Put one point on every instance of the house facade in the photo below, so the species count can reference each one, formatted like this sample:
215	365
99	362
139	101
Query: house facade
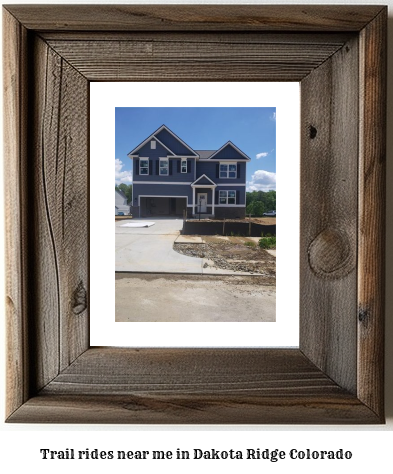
121	203
170	179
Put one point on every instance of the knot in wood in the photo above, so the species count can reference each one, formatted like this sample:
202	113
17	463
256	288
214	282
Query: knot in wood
330	255
80	299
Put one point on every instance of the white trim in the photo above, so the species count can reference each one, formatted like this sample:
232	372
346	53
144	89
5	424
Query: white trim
166	148
227	164
227	191
150	137
229	143
153	144
160	182
159	166
230	184
148	166
177	138
203	185
230	160
230	205
160	196
203	176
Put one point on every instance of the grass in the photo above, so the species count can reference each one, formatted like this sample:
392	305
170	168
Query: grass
250	244
267	243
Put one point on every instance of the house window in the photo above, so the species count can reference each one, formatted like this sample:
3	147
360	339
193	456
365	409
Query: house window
227	197
184	165
144	166
153	144
164	166
228	170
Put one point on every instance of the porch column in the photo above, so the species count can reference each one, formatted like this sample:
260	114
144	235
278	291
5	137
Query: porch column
213	196
193	201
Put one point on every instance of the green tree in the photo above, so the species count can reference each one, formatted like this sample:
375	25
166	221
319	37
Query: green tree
126	189
258	202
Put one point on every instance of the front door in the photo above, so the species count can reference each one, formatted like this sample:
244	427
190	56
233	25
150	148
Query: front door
202	202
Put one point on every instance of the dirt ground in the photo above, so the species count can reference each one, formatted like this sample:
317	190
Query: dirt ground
194	298
233	253
264	220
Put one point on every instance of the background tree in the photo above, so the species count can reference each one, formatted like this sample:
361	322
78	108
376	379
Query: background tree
126	189
258	202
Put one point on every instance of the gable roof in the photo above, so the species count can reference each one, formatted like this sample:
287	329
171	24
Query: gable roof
203	179
230	144
205	154
153	136
119	191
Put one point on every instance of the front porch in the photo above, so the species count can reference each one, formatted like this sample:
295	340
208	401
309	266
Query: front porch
203	197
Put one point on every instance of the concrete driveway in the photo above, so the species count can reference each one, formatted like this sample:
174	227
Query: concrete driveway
150	249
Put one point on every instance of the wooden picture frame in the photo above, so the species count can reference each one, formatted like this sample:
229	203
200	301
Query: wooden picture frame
338	54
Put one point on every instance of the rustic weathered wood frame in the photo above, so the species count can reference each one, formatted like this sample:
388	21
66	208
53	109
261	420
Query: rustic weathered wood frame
51	53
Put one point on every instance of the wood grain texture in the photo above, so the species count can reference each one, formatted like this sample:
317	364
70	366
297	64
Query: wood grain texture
196	18
52	374
188	59
328	253
371	260
59	170
14	73
197	385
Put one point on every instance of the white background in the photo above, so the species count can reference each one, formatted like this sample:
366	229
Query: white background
104	97
371	445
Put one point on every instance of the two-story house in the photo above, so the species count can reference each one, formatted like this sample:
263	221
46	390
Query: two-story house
169	177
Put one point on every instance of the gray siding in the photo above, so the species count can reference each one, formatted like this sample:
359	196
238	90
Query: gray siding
120	200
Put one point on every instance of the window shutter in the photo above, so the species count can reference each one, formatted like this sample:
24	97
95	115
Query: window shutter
158	167
217	170
217	197
136	167
170	166
237	196
150	167
238	170
178	165
188	166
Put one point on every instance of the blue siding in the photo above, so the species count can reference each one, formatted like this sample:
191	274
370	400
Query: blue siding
240	193
174	165
173	143
210	170
228	153
143	185
159	190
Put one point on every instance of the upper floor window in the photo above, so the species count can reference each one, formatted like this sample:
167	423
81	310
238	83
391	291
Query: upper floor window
144	166
228	170
164	166
153	144
184	165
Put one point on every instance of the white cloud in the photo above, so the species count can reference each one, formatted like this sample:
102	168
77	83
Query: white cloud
273	117
262	180
261	155
122	176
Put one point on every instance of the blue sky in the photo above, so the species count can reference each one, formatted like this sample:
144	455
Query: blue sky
252	129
